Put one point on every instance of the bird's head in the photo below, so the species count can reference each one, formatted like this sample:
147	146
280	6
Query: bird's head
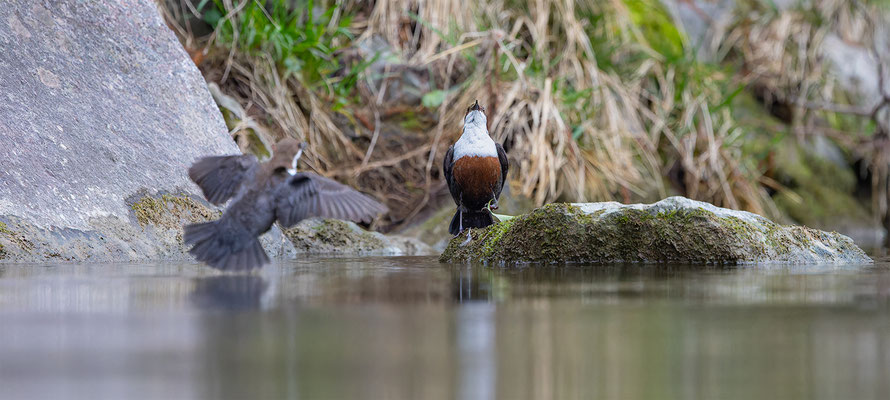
475	116
286	154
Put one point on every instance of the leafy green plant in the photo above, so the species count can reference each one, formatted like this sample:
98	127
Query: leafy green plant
303	43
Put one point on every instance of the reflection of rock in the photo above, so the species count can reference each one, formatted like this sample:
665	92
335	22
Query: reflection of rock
330	236
91	121
673	230
229	292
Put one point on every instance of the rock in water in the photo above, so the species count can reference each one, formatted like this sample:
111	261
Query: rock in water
335	237
100	109
674	230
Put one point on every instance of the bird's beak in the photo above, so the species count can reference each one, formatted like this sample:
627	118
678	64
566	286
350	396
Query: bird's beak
473	111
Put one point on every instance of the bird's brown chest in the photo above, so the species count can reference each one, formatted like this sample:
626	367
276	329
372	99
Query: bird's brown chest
477	177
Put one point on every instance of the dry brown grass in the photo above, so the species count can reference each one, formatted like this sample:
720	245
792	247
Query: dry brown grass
617	142
631	135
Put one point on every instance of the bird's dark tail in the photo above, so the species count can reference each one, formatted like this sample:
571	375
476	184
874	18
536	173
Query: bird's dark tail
222	245
471	219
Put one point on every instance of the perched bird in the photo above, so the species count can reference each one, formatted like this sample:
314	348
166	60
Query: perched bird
263	193
475	168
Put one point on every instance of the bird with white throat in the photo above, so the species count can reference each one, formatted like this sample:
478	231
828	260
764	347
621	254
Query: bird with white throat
475	168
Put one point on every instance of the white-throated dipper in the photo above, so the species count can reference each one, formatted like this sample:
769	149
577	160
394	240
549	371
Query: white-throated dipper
262	193
475	168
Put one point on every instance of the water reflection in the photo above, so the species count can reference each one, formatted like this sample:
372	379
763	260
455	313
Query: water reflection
477	351
413	328
230	292
471	284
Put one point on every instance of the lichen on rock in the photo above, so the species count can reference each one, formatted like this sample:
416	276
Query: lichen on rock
3	230
11	241
170	211
674	230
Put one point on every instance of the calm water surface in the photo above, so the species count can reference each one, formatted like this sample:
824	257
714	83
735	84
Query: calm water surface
412	328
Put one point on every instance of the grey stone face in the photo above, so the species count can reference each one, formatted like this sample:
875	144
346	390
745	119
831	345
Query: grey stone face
674	230
99	101
99	106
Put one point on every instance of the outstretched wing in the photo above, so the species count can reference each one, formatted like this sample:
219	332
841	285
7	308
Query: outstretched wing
448	169
307	195
505	165
220	177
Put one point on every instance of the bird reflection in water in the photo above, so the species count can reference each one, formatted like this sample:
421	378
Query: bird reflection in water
231	292
470	284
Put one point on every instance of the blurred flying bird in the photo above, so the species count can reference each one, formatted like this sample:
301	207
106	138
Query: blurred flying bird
262	193
475	168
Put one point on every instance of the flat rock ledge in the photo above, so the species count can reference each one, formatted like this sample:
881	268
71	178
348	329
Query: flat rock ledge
673	230
157	235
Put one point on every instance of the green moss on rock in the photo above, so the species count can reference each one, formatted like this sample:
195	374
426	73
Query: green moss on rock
333	236
676	230
169	211
15	238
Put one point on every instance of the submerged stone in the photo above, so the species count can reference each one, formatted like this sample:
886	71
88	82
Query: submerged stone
673	230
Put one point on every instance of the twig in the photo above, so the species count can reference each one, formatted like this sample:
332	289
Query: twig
392	161
229	15
452	50
373	141
839	108
873	49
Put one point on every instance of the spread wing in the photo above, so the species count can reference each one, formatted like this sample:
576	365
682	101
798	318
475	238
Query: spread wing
505	165
307	195
220	177
447	169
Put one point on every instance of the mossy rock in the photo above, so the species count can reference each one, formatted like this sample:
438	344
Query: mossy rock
331	236
674	230
3	230
12	242
164	215
170	211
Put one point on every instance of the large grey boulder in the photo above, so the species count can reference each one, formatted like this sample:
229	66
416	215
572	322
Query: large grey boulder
101	112
674	230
